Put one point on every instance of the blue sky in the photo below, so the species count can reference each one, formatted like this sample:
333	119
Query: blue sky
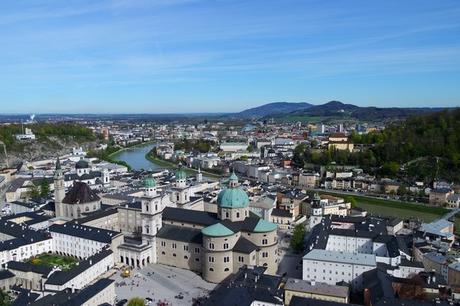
167	56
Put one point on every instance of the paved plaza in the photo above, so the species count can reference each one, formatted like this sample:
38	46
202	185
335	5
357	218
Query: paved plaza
162	284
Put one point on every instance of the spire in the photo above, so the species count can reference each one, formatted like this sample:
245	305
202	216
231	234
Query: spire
233	180
58	164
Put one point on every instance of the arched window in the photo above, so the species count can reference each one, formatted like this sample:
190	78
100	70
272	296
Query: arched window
211	269
225	245
226	269
264	241
237	214
185	257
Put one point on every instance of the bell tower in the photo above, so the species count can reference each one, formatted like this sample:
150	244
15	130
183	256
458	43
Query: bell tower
59	189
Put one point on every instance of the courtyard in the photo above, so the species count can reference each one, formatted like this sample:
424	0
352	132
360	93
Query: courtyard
51	260
162	284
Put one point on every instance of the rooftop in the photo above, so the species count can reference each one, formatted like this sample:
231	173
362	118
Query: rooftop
341	257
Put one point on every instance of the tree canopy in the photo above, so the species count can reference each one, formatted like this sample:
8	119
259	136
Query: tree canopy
422	147
297	239
136	302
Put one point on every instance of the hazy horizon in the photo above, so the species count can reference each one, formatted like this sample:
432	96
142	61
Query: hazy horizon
193	56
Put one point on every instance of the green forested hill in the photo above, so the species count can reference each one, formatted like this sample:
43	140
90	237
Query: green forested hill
423	147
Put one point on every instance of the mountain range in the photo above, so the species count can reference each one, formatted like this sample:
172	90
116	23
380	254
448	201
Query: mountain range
282	110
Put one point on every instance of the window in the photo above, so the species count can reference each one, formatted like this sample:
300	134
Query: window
185	247
185	257
211	259
197	250
146	207
163	253
197	259
265	254
240	259
174	246
237	214
211	269
226	269
264	241
226	259
225	245
226	214
174	254
211	246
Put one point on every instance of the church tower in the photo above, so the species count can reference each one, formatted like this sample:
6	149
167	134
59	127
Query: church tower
105	175
59	189
152	207
199	176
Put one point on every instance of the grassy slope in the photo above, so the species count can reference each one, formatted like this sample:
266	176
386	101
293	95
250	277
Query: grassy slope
403	210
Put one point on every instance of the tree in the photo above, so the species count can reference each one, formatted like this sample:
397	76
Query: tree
136	302
299	153
297	239
44	188
350	199
34	192
5	299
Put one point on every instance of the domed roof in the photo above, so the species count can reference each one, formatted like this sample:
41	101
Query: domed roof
81	164
264	226
180	174
217	230
234	196
149	182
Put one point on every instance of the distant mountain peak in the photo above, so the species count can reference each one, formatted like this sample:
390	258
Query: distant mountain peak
275	108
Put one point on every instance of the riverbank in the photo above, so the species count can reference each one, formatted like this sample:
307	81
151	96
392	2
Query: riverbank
169	164
133	146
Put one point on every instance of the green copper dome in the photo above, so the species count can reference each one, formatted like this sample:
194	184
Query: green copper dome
265	226
180	174
150	182
233	198
217	230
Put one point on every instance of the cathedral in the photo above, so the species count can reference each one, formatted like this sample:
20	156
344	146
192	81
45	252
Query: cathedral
218	244
169	226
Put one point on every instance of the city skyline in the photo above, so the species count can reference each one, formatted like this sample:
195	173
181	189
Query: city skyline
187	56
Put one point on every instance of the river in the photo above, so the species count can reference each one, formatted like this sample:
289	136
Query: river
135	157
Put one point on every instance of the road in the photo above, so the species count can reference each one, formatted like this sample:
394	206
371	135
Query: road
451	214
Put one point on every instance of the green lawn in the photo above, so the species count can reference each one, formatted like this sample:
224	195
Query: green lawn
51	260
402	210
